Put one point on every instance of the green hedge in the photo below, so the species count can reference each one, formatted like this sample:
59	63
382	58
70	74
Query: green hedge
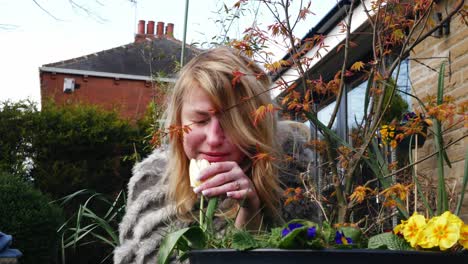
31	219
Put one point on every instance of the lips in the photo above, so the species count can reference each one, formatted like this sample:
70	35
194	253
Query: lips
214	156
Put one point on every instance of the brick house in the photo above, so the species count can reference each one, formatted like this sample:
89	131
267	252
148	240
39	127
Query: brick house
418	76
124	78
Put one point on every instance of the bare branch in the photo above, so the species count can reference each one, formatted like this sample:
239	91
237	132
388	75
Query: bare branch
46	11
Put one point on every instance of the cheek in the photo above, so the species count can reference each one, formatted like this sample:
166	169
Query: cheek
192	142
238	155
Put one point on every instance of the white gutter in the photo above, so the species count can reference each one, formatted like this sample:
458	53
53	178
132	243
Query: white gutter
331	41
106	74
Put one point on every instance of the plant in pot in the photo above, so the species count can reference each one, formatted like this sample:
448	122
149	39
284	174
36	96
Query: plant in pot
362	211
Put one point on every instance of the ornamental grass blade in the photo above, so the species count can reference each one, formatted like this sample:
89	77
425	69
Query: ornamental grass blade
380	167
328	131
367	97
103	224
442	200
463	187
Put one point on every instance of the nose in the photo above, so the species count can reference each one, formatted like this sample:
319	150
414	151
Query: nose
214	133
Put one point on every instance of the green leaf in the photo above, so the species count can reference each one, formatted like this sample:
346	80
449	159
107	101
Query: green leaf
388	241
328	232
194	236
297	238
367	94
327	131
382	164
463	188
352	232
210	210
274	238
243	240
442	200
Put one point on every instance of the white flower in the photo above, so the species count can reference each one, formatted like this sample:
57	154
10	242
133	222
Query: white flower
194	170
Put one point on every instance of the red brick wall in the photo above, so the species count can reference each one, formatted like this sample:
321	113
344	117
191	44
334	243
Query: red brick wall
129	97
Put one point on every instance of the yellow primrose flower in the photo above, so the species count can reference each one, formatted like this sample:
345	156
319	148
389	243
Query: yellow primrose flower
464	236
399	228
442	231
413	227
452	218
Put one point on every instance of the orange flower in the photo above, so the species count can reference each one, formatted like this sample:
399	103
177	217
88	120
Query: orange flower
360	193
399	190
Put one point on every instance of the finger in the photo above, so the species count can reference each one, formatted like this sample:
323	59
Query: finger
216	168
217	180
240	195
220	190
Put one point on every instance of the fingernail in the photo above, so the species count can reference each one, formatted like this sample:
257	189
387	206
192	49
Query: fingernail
196	189
205	192
229	194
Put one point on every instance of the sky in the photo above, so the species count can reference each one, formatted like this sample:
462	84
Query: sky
32	35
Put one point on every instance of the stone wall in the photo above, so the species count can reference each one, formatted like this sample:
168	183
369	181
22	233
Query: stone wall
425	61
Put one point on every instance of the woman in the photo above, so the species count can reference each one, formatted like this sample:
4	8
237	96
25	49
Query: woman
214	96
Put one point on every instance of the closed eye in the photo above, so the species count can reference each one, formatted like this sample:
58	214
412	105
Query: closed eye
201	122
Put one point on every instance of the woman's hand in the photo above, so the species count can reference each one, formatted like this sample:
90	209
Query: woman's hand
228	178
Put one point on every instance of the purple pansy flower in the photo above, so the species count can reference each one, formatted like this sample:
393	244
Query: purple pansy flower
341	239
311	232
290	228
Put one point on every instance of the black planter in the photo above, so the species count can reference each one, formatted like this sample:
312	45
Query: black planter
405	143
328	256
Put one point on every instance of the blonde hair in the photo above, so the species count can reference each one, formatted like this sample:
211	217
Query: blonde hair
213	71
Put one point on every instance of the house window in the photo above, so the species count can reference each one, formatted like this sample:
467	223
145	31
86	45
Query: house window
351	111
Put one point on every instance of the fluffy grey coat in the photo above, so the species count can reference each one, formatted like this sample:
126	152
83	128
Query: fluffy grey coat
150	216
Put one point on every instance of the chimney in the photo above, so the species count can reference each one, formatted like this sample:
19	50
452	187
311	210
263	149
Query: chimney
140	35
160	30
170	30
150	28
141	27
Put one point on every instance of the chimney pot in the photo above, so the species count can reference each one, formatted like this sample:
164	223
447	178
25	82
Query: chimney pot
160	29
170	30
150	28
141	27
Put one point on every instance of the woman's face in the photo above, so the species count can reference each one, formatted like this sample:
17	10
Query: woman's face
207	139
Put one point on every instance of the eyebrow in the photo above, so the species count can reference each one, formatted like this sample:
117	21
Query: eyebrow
204	113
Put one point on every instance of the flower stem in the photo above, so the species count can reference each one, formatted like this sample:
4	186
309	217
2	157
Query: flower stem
201	210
